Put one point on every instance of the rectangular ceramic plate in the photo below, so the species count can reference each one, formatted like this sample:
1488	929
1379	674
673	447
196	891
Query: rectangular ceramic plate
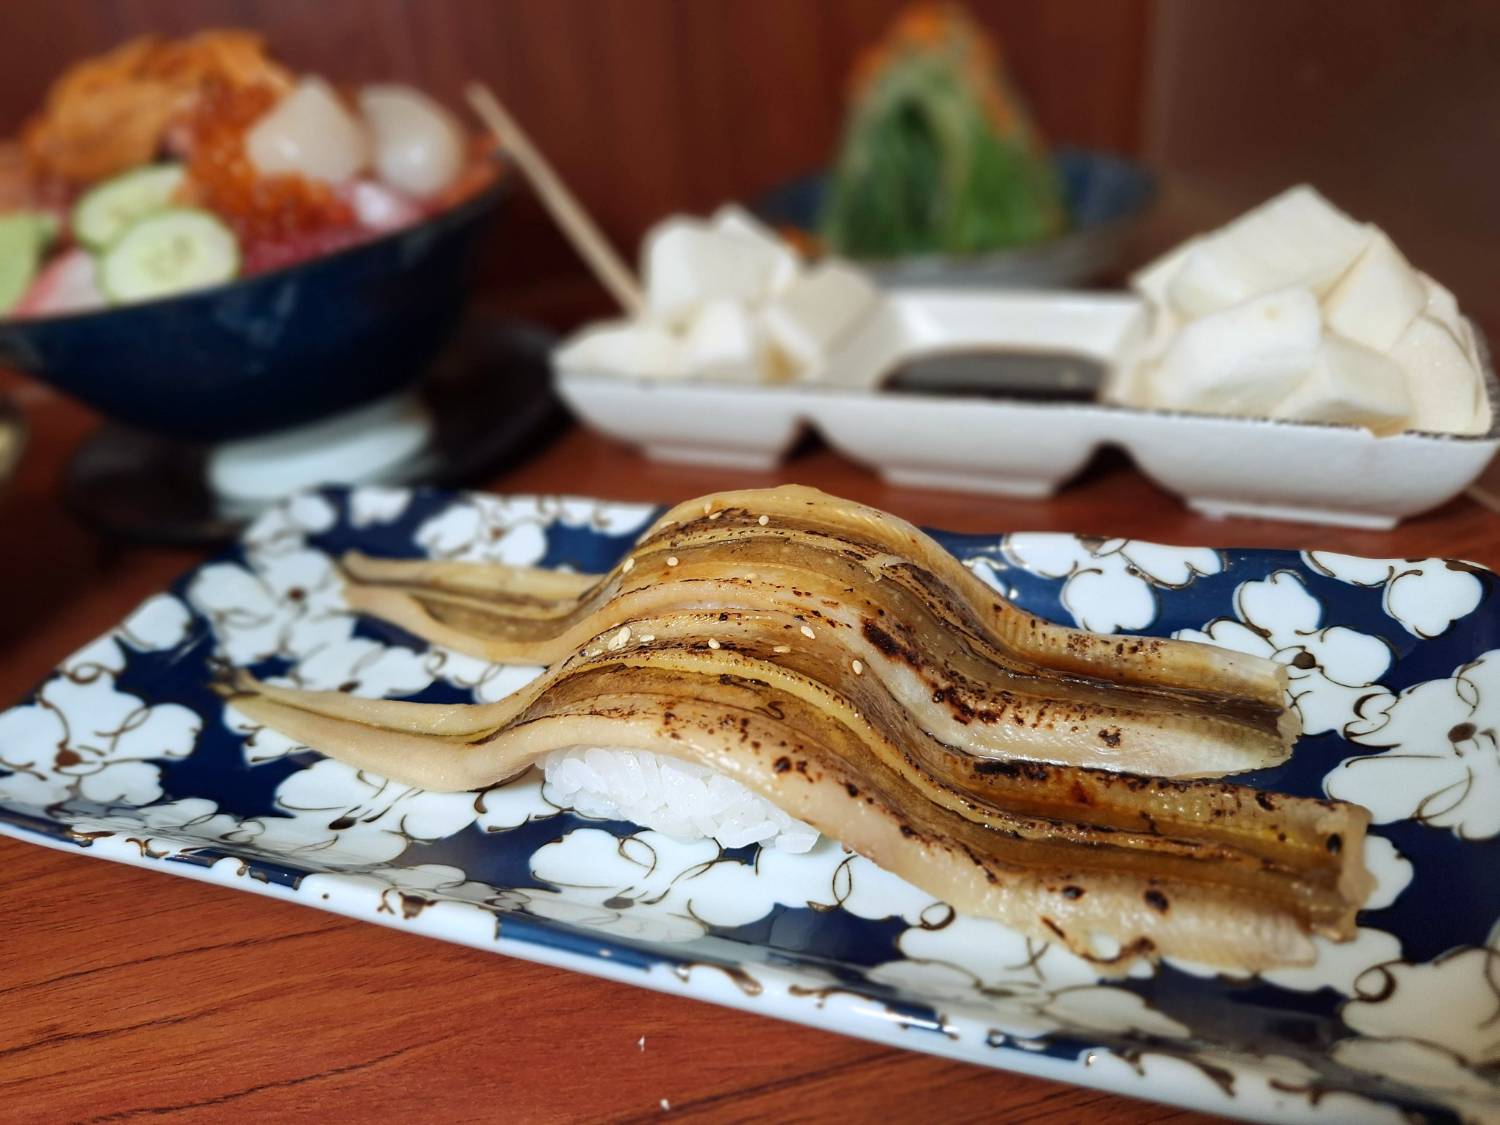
1218	464
125	754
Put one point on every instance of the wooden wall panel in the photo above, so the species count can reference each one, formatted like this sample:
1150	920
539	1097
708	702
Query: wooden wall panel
646	106
1391	107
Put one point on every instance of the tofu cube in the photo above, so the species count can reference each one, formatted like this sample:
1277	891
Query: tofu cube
1151	280
1374	302
1442	306
731	219
626	348
1243	360
687	264
1447	392
1297	239
725	342
1353	385
808	319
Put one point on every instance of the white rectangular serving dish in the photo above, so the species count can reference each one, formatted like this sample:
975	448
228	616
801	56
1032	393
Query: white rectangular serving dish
1219	465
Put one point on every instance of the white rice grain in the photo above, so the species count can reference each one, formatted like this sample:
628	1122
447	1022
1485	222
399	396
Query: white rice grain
680	799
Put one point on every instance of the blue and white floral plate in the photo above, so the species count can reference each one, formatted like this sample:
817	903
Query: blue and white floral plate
125	754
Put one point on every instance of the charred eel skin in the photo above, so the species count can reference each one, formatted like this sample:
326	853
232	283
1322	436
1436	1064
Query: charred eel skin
841	664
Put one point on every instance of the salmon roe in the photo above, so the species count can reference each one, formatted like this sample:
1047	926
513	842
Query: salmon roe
263	211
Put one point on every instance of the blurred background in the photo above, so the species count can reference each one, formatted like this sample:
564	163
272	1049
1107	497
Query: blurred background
649	107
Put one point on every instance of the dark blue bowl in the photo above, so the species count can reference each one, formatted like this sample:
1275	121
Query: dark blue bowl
1105	195
269	351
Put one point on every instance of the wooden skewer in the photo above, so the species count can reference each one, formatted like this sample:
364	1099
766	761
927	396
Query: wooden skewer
1484	497
569	214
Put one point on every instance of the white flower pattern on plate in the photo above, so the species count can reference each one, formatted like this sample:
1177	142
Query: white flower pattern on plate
342	817
436	894
1440	760
360	666
1395	1000
1422	1066
1109	584
1027	988
487	682
1261	1093
1426	595
408	889
289	605
1331	669
513	803
284	527
158	623
169	828
338	816
654	886
373	504
1409	1038
512	530
84	738
260	744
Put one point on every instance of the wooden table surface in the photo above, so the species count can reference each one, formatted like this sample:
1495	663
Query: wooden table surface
128	995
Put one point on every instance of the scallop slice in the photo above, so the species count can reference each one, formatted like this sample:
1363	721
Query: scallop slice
419	145
309	133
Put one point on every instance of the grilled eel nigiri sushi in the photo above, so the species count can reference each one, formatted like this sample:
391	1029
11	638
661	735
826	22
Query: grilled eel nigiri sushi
839	663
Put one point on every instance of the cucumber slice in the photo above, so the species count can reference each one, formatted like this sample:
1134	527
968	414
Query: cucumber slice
103	214
47	227
167	253
22	236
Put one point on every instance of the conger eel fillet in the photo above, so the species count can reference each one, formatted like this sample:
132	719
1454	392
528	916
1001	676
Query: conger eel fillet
840	663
